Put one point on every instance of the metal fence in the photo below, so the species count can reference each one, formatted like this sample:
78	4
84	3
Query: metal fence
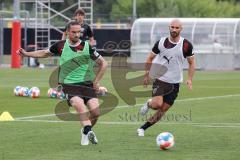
216	41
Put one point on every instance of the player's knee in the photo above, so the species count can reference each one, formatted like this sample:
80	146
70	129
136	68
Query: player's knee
77	102
80	108
156	104
164	108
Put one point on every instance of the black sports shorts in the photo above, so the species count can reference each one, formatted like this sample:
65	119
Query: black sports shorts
169	91
83	90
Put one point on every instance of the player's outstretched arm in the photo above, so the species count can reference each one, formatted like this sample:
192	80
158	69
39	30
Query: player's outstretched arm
34	54
191	70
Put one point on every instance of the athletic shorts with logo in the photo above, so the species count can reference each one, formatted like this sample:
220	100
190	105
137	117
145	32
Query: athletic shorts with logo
169	91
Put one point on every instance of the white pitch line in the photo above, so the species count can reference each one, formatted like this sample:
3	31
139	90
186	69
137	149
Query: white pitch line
203	125
125	106
44	121
190	99
204	98
217	87
40	116
217	126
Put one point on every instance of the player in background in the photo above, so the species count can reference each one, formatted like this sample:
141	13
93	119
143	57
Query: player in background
167	54
76	76
86	31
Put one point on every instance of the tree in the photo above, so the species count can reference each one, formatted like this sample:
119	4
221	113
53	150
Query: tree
102	9
178	8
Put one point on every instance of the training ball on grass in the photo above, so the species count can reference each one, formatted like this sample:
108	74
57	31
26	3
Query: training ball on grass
60	95
165	140
34	92
16	90
52	93
24	91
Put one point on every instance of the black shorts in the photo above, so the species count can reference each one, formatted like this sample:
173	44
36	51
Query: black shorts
83	90
169	91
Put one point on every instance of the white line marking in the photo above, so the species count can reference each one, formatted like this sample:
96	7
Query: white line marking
125	106
217	87
40	116
204	98
213	126
203	125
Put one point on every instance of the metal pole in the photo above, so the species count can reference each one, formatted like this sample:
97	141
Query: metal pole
91	13
134	11
1	39
79	5
16	6
25	31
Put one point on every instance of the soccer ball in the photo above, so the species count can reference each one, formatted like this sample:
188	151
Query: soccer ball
165	140
52	93
34	92
24	91
16	90
60	95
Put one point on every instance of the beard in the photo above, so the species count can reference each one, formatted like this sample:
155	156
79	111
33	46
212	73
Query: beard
75	39
174	34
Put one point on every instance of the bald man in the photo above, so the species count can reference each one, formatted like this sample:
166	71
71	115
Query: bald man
164	65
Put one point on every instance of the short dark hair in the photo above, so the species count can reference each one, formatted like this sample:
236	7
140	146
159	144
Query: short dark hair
72	23
79	11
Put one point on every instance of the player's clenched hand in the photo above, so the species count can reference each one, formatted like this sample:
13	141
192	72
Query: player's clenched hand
146	80
189	84
96	86
21	52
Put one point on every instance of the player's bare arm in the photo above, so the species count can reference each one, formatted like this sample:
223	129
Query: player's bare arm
102	68
64	35
148	65
34	54
91	41
191	70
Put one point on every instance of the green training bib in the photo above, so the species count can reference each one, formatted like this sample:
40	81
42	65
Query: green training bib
77	66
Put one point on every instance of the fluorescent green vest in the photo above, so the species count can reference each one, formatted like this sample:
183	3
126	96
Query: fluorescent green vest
77	66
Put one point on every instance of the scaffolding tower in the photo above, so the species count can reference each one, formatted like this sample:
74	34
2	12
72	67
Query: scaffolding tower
42	24
44	14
